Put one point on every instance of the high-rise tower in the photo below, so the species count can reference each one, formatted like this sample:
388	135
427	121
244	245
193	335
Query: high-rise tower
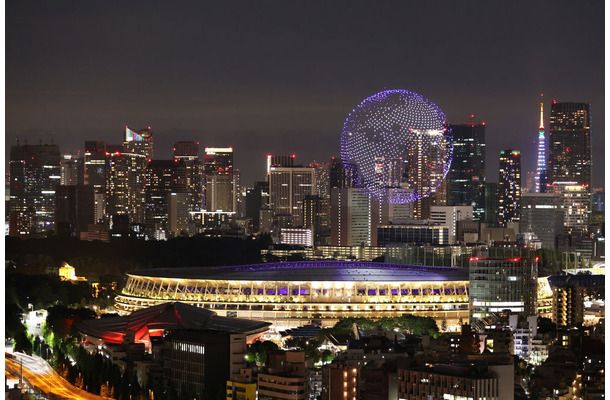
570	143
509	187
220	191
188	154
288	187
541	175
466	176
139	142
569	164
34	175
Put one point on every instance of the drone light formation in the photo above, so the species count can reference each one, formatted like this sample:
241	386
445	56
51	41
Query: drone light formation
399	142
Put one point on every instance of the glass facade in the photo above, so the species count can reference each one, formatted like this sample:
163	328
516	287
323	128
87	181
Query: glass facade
497	285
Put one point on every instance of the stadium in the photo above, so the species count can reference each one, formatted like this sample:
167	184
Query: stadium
291	294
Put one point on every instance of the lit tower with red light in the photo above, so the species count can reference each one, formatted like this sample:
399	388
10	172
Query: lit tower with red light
220	190
541	175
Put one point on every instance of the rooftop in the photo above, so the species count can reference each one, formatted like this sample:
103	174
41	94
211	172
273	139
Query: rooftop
354	271
153	321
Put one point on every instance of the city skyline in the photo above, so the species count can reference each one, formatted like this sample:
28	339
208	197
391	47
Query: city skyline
281	79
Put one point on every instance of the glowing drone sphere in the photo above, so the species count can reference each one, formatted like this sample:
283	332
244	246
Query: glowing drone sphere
398	143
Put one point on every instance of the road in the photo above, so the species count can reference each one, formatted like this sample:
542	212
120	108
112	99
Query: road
44	379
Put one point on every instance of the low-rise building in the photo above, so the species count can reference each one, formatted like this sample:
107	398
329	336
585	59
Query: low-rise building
284	378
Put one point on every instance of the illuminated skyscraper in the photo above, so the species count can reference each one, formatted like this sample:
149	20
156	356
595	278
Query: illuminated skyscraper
569	164
570	143
542	214
316	216
279	161
541	174
257	198
126	174
188	154
125	183
34	175
502	284
353	222
466	176
220	190
163	177
288	187
509	186
138	142
71	170
322	171
95	165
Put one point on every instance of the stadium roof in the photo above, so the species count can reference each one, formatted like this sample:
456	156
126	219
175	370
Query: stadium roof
355	271
154	321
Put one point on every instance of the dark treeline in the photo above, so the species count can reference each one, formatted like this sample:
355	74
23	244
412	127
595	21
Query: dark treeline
92	259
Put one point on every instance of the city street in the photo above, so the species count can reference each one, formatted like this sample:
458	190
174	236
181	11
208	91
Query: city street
43	378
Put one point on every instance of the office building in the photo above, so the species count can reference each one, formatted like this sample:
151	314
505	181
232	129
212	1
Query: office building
576	205
542	214
342	174
570	143
352	219
449	216
95	165
569	163
74	209
509	187
296	237
415	233
597	200
125	184
162	178
279	161
466	176
34	175
192	172
322	176
178	213
257	198
491	203
71	170
220	189
501	284
288	187
316	217
138	142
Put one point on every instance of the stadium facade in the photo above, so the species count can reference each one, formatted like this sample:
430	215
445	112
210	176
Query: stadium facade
291	294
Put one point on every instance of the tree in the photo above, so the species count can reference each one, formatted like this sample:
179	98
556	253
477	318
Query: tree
12	320
23	343
327	356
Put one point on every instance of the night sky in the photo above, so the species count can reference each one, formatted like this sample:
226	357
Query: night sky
281	76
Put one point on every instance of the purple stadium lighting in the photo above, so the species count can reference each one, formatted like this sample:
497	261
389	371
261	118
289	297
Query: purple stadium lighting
399	142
